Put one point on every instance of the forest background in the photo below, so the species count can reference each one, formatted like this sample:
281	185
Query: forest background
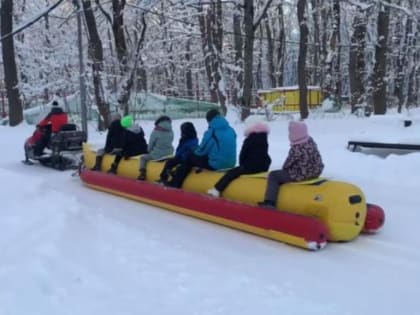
360	52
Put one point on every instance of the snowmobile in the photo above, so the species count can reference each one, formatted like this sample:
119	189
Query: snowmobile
63	150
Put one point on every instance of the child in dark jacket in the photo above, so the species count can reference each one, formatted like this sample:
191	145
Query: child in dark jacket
303	162
253	157
188	142
133	143
113	142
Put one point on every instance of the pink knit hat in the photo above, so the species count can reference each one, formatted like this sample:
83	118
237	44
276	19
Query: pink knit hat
298	132
255	124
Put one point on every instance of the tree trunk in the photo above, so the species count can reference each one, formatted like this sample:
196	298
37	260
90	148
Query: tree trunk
118	31
337	48
281	47
211	28
9	64
259	74
332	84
317	41
238	47
218	63
324	25
270	54
303	46
206	45
188	74
412	94
95	51
128	84
248	57
357	60
141	76
167	44
379	70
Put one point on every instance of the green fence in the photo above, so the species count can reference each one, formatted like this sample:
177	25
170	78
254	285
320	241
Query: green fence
142	105
150	106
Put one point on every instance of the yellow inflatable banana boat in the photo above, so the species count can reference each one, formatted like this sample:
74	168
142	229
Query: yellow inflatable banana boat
340	206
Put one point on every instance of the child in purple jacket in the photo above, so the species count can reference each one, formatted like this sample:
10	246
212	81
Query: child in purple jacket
302	163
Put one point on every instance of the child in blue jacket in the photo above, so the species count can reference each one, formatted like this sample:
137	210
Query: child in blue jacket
217	149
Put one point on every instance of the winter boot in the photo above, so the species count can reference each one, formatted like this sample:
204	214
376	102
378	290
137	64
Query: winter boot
142	175
267	204
164	175
97	166
213	192
113	169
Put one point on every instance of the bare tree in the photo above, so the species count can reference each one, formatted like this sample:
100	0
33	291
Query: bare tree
9	64
379	71
95	52
281	48
303	47
250	27
400	35
117	23
238	48
211	28
413	67
270	53
248	56
128	82
316	77
118	31
167	43
357	59
333	63
188	73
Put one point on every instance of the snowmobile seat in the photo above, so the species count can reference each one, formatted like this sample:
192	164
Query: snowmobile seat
67	139
66	147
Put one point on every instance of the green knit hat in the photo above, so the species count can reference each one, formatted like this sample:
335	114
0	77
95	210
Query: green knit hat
127	121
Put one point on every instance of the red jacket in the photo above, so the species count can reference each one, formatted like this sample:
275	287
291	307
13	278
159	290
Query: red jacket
56	118
36	136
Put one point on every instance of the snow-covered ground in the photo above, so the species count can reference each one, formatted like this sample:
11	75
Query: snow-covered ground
66	249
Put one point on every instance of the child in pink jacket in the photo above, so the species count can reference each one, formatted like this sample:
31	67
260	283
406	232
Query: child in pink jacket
303	162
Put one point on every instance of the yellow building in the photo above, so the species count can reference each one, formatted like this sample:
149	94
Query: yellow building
286	98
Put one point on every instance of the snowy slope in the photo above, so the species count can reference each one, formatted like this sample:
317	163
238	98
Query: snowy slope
66	249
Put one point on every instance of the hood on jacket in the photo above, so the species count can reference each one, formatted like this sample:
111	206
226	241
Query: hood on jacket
188	130
255	124
162	118
219	122
211	114
135	128
114	116
164	125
